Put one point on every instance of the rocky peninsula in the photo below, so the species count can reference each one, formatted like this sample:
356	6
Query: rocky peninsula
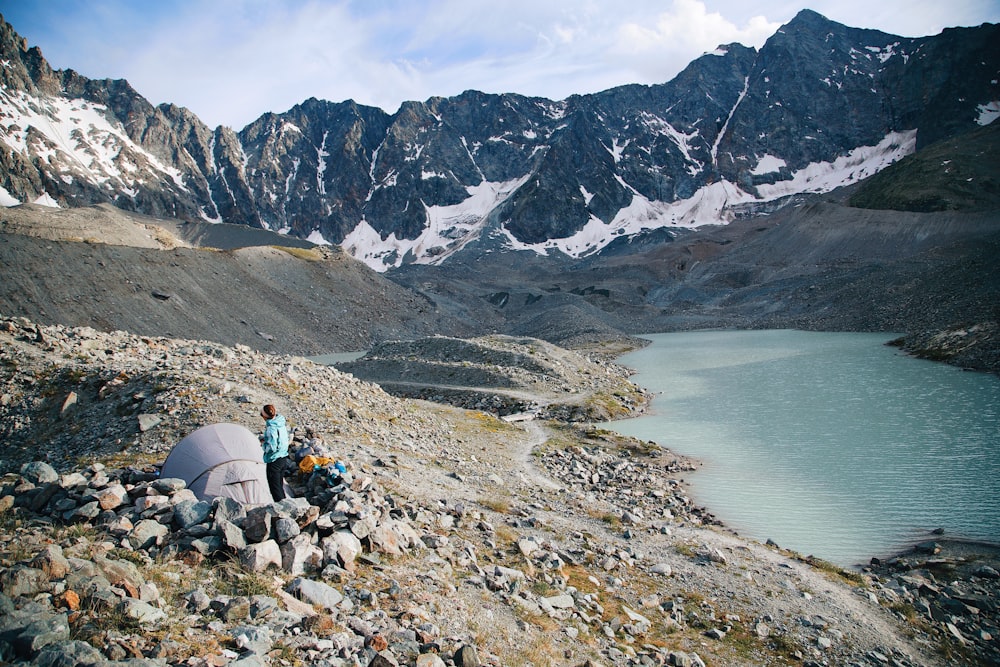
455	537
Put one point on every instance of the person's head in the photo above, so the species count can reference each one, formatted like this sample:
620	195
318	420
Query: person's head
268	411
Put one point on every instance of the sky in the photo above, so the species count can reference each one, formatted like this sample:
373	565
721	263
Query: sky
230	61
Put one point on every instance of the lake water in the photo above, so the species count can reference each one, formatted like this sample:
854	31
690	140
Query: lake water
830	444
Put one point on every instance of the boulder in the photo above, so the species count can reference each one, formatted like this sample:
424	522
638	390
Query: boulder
341	548
260	556
299	555
148	533
316	593
39	472
51	561
188	513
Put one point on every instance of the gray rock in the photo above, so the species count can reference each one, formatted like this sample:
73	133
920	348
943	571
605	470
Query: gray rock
39	472
72	480
74	653
285	529
87	512
197	600
111	497
43	630
148	533
260	556
143	612
231	534
189	513
257	526
257	640
564	601
21	581
227	509
299	555
168	485
662	568
341	548
316	592
467	656
384	539
148	422
207	545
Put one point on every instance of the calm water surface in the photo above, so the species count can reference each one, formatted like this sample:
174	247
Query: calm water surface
830	444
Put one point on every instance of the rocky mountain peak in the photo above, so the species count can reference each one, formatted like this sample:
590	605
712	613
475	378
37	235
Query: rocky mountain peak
820	105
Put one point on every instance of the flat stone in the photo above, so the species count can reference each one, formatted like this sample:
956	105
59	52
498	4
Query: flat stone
316	592
563	601
143	612
148	422
168	485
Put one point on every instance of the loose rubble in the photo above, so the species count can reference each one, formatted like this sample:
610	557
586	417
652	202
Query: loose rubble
452	538
504	375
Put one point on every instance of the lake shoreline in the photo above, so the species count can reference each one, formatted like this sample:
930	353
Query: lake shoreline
718	488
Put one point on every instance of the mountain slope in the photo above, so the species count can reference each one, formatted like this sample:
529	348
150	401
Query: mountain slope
957	174
736	133
226	283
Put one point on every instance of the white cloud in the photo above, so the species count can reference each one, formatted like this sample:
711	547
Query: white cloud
661	48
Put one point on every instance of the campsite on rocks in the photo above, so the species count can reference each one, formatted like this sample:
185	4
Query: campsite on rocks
477	264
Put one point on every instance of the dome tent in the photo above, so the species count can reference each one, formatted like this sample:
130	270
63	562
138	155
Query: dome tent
221	460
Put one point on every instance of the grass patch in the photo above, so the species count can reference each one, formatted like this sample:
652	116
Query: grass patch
849	576
498	505
234	580
305	254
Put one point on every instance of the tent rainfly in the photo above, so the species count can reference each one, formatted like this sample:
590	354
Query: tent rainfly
221	460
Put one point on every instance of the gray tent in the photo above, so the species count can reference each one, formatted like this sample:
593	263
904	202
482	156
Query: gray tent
221	460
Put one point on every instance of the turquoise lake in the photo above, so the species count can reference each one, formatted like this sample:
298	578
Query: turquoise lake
830	444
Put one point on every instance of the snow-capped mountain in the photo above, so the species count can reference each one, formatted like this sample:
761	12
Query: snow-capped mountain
739	131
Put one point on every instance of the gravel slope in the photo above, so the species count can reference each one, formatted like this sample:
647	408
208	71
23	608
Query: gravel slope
616	507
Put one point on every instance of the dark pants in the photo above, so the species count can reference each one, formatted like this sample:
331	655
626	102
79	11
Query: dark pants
276	478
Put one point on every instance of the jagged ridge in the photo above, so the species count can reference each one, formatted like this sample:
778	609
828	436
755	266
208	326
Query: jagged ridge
820	105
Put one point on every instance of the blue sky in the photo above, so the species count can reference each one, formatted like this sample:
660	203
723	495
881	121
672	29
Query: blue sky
230	61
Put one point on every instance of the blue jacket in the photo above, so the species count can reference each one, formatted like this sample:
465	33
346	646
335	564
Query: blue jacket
275	442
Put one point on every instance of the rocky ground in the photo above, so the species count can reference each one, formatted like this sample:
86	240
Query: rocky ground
454	538
506	375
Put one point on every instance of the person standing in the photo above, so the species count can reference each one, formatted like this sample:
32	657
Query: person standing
275	445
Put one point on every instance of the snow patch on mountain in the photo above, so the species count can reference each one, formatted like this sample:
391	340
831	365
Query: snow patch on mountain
76	137
711	205
988	112
451	228
860	163
315	236
768	165
448	229
7	199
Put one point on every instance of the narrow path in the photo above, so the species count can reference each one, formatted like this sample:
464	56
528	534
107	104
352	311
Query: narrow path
538	434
